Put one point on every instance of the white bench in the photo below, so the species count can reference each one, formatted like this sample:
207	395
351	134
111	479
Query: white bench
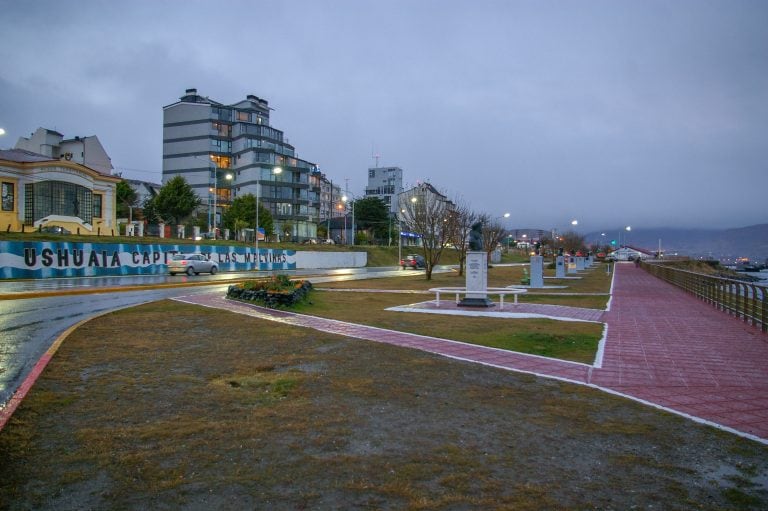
501	291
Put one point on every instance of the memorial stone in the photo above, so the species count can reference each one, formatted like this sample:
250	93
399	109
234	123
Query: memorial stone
537	271
477	281
560	267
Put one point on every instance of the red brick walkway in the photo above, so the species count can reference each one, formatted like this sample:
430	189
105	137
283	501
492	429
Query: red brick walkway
671	349
663	347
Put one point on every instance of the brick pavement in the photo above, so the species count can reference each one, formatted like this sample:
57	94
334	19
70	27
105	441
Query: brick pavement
663	347
671	349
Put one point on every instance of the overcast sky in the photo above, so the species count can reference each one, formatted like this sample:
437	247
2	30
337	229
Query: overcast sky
642	113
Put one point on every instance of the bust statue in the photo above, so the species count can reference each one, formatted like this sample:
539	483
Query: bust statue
476	236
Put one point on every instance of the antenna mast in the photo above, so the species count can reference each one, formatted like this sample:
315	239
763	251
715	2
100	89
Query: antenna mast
375	155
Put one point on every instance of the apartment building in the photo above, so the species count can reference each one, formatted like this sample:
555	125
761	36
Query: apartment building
385	183
225	151
86	151
329	196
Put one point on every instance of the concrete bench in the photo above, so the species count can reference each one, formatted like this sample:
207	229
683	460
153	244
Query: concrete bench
458	291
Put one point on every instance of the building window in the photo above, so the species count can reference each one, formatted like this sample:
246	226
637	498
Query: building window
243	116
223	162
223	130
8	196
97	208
222	146
371	173
57	198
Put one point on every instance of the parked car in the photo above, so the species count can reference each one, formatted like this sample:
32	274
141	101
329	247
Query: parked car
414	261
55	229
191	264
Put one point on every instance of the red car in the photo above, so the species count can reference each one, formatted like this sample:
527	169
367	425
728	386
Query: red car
414	261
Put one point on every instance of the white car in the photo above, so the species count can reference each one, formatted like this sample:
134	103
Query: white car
191	264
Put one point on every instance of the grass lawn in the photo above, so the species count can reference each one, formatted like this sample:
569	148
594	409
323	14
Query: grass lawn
576	341
172	406
594	281
566	340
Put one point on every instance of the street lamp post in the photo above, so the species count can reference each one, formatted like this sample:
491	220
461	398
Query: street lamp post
344	233
275	171
400	238
228	177
212	213
345	199
506	216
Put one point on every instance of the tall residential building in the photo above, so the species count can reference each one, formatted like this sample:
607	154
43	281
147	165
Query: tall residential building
329	196
385	183
225	151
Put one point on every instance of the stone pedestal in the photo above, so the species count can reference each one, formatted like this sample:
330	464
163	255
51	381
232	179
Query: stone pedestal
226	234
537	271
162	230
140	227
579	263
180	231
129	230
477	281
560	267
196	232
571	265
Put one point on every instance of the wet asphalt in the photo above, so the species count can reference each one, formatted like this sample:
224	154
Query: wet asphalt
33	313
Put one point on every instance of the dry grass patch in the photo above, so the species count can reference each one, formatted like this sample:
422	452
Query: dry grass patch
171	406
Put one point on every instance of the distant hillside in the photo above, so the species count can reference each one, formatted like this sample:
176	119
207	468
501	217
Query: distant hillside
724	244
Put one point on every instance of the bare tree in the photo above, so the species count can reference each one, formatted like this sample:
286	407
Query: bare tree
428	213
572	242
459	224
493	233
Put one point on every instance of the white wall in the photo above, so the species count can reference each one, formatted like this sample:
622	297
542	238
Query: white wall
309	260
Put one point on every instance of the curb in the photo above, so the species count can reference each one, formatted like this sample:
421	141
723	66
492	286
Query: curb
118	289
37	370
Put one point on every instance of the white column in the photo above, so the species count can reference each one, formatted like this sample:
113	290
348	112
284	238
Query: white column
537	271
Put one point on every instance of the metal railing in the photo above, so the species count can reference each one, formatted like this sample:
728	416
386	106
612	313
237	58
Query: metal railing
745	300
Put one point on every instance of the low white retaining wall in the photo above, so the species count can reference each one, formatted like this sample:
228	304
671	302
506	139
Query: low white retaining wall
310	260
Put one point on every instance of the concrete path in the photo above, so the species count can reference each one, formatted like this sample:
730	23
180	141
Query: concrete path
663	347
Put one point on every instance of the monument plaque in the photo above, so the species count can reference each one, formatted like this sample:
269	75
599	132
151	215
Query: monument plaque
477	281
537	271
477	271
560	267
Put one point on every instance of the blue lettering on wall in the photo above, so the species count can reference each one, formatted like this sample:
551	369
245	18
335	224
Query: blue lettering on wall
20	259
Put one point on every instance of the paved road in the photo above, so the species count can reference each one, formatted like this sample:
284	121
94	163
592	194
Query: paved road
11	289
28	326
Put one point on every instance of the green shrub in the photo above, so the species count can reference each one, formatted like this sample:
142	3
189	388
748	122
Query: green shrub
278	292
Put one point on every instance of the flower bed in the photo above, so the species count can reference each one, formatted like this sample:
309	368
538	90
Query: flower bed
279	291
